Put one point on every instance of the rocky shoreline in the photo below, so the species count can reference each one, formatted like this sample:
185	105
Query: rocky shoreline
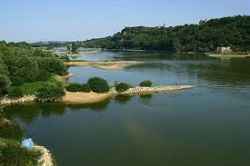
46	158
157	89
25	99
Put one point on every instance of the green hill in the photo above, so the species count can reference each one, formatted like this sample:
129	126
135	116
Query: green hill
203	37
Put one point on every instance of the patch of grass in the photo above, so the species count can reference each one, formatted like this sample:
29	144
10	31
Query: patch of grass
32	88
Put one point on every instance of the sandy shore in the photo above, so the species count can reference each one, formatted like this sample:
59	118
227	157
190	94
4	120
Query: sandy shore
46	157
107	65
85	98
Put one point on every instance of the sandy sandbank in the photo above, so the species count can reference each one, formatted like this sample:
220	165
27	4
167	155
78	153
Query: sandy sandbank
91	98
108	65
85	98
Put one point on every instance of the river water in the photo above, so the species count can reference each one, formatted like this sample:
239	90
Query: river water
207	125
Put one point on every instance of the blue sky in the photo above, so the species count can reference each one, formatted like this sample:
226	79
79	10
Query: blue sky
43	20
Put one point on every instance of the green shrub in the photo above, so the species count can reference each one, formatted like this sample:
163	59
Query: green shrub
122	87
15	92
146	83
98	85
74	87
85	88
4	85
50	93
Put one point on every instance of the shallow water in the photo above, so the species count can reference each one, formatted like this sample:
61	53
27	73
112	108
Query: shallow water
207	125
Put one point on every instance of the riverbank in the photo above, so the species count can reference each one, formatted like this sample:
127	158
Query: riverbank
107	65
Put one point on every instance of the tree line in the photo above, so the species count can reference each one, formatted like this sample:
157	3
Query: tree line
206	36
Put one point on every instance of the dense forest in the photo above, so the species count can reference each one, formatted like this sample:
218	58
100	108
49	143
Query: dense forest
21	64
203	37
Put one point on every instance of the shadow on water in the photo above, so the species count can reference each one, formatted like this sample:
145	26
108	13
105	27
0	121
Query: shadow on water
145	56
29	112
123	99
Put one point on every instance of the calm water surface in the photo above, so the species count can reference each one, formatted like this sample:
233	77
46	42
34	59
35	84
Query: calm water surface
207	125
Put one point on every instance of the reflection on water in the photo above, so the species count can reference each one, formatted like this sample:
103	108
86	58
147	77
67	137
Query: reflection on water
207	125
144	56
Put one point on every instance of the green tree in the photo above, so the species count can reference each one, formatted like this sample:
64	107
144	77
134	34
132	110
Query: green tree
121	87
98	85
22	69
4	85
203	37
